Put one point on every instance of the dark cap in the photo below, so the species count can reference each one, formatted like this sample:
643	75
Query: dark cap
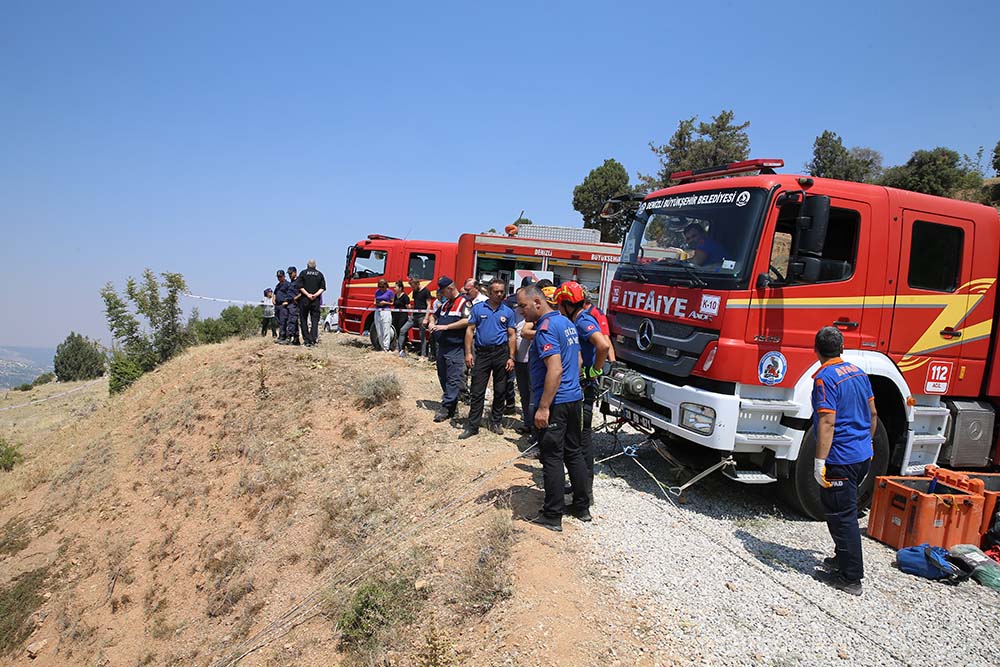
292	269
527	280
267	291
444	281
280	273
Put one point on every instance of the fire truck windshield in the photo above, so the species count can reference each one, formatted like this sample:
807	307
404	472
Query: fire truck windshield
702	238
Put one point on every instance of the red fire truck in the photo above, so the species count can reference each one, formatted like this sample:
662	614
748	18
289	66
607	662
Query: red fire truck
565	253
720	353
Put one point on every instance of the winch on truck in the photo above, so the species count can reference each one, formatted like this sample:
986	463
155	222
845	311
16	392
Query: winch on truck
723	283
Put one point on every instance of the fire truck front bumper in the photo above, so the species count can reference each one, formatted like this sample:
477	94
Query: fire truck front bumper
703	417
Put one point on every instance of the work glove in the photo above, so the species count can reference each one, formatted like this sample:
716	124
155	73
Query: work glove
589	372
819	472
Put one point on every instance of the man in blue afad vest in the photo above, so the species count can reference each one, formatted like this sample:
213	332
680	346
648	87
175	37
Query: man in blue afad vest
554	362
447	325
490	344
845	420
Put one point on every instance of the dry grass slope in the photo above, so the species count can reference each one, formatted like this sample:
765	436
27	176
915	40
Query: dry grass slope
169	524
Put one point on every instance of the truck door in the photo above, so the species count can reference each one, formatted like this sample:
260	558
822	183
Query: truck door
932	301
789	314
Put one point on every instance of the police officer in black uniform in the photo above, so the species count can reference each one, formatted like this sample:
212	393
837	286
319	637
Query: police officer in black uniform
312	284
293	306
491	333
447	325
284	300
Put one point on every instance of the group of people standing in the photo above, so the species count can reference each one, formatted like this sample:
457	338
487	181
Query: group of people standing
294	305
555	343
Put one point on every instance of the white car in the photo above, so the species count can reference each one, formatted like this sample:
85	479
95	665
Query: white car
332	321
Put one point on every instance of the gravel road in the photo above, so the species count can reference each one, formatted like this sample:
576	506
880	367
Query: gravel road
726	579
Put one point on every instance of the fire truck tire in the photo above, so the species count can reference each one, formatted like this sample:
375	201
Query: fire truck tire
801	491
373	337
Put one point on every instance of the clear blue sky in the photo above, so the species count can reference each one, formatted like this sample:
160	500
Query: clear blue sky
226	139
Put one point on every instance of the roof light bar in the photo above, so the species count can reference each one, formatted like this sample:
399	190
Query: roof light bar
761	165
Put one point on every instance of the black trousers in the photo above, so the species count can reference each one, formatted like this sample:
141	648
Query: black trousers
523	376
309	310
560	446
490	360
451	374
269	323
841	503
587	429
288	321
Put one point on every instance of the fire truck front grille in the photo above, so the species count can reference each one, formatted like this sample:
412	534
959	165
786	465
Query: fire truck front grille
671	348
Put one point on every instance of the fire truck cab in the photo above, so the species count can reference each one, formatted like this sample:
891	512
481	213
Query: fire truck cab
714	336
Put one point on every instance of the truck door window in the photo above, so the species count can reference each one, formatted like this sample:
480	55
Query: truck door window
368	263
935	256
839	251
421	265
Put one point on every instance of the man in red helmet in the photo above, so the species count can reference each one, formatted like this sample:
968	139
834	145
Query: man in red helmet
595	346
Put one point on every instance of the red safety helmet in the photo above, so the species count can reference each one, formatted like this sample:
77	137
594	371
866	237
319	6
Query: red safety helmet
570	292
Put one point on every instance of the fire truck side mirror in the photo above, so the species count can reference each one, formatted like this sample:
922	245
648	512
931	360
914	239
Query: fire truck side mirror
814	216
804	269
612	209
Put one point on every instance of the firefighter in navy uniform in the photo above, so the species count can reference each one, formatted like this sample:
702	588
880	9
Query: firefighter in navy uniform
845	421
490	344
555	380
447	326
312	284
595	349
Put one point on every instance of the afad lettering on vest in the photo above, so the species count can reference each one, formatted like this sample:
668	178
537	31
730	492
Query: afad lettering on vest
655	303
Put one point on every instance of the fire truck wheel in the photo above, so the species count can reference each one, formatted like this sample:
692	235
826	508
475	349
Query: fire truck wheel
801	491
376	343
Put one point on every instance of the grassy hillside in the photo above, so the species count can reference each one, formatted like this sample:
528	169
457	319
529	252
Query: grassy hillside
251	501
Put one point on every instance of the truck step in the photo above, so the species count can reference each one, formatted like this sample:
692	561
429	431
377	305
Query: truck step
928	439
768	405
749	476
931	411
762	439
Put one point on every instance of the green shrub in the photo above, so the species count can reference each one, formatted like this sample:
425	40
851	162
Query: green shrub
18	601
44	378
375	608
27	386
10	455
379	389
124	371
78	358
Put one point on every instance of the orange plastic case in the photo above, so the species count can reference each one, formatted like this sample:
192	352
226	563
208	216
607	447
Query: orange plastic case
991	491
906	511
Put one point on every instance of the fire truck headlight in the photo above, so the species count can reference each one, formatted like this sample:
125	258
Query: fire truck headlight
697	418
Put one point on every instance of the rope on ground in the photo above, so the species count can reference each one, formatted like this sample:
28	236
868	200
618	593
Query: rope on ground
52	397
310	605
682	515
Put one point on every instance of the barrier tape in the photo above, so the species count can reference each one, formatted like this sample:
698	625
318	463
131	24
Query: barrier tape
258	303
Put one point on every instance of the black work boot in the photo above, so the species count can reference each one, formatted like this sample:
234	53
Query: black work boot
553	523
442	415
468	433
495	427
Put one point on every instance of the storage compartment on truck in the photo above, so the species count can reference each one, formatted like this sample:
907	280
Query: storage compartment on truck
970	436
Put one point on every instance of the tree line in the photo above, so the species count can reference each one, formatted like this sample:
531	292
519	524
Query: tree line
697	144
147	330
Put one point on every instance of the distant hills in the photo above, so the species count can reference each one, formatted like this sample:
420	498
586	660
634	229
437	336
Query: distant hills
23	364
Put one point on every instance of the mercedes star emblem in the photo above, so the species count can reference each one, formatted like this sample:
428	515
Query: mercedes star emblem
644	336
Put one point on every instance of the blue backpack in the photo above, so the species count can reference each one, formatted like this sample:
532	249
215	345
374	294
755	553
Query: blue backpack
929	562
